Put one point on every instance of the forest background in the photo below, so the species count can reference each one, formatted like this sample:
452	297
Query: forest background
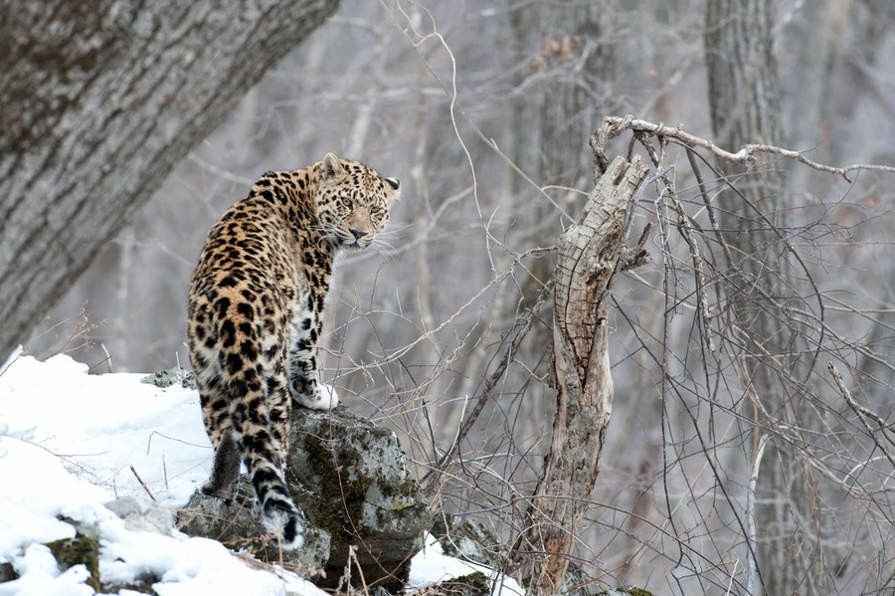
485	111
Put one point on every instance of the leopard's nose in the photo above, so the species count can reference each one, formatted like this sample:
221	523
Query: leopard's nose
358	234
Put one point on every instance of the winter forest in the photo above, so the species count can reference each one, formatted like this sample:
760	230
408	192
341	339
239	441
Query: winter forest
749	323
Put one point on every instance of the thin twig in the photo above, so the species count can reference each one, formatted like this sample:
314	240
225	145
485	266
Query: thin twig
143	484
521	327
862	413
750	511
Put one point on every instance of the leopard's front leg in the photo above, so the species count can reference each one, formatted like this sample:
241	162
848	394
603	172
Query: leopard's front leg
304	384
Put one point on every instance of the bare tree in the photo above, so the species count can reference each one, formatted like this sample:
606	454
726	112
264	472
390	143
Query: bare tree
100	101
589	255
816	441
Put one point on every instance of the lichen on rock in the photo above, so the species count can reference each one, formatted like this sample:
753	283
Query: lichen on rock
468	539
235	523
171	376
80	550
350	479
474	584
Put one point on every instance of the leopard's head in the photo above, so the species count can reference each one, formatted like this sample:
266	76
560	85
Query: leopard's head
353	201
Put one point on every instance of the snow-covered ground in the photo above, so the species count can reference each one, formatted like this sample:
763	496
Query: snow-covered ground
78	446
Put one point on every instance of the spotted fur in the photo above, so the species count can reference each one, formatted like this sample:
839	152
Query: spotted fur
255	310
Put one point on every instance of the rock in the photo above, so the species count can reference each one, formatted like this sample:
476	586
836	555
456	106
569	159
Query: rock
171	376
468	539
7	573
474	584
142	514
84	549
80	550
350	479
235	523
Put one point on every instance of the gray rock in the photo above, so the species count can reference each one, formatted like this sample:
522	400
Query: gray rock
350	479
474	584
235	523
84	549
468	539
171	376
142	514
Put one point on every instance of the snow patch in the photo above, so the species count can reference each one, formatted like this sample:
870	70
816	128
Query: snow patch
77	448
431	565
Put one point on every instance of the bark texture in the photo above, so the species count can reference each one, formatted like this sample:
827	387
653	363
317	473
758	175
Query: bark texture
101	98
588	256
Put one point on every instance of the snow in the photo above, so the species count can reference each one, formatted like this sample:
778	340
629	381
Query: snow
40	575
72	446
431	565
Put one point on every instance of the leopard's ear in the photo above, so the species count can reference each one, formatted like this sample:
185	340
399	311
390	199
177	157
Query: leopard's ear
393	189
332	166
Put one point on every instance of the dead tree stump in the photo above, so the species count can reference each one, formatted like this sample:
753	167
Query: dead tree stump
589	254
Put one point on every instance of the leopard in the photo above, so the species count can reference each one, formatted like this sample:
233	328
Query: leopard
255	310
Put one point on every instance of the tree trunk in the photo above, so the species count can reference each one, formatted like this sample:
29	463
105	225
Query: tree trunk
570	60
744	105
744	98
581	66
100	100
588	256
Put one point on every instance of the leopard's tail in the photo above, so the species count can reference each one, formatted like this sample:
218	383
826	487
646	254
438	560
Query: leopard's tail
260	451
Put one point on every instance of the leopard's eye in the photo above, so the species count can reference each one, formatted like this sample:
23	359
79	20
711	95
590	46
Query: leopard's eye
347	202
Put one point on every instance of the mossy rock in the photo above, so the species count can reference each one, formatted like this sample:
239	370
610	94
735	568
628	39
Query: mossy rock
474	584
80	550
84	549
468	539
235	523
625	591
171	376
350	479
363	493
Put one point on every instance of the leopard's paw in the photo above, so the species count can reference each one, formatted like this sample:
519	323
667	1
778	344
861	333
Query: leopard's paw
325	398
